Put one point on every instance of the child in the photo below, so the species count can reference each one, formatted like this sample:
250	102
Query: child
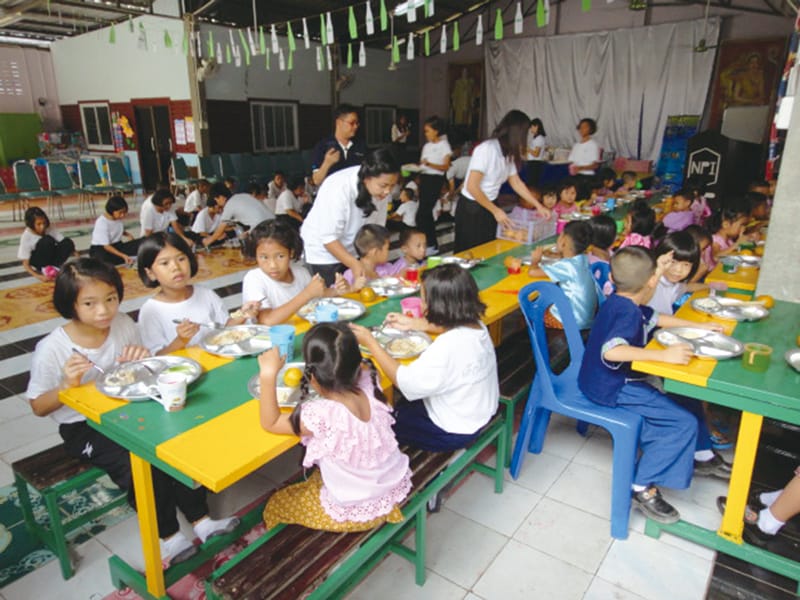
274	189
347	432
549	197
372	245
455	377
230	183
42	249
639	224
759	209
567	194
571	273
197	199
703	240
608	182
445	207
108	232
674	439
676	280
604	234
290	201
407	211
165	261
209	219
280	285
681	214
726	226
157	214
628	184
88	293
413	245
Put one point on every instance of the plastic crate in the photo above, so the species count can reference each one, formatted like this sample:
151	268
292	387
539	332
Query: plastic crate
528	227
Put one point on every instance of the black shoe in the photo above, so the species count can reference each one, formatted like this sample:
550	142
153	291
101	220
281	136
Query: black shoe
754	505
753	535
654	507
716	467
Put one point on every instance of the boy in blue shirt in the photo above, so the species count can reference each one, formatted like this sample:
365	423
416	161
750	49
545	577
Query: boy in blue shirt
675	441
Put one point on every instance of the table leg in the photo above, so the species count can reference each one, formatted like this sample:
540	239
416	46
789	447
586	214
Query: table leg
743	461
148	525
496	332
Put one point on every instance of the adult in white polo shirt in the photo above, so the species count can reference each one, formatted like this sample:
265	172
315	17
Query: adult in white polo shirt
344	201
434	163
237	208
585	157
493	162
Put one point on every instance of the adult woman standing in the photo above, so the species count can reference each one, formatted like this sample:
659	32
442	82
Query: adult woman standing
434	163
535	153
493	162
343	202
584	157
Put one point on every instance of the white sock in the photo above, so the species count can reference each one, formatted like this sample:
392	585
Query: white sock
768	523
174	545
704	455
767	498
208	527
638	488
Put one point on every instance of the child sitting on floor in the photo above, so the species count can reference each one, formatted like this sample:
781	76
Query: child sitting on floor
208	220
291	201
108	232
197	199
455	377
347	432
571	273
372	245
681	215
674	438
42	249
406	213
413	245
275	188
639	224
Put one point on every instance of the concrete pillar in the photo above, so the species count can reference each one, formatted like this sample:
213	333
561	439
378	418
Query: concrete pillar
780	269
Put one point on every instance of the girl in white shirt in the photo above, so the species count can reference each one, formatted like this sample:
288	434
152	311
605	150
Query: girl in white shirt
493	162
455	377
434	163
535	155
42	249
108	232
165	261
88	293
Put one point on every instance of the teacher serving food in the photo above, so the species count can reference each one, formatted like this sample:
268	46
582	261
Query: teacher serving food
344	201
493	162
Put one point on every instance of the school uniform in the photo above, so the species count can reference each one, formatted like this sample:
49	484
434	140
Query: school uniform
50	249
108	232
431	182
678	220
257	285
666	295
153	221
195	201
535	163
673	427
408	213
247	210
575	279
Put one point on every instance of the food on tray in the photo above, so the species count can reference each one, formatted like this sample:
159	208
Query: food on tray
121	377
238	314
231	336
707	303
514	234
182	369
367	294
766	300
292	377
407	346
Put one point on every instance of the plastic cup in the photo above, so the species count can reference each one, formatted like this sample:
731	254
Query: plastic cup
560	224
412	274
434	261
611	203
596	210
411	307
282	337
172	391
326	312
620	225
729	267
756	357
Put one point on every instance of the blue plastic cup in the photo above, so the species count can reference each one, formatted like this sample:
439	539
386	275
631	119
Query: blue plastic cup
611	203
326	312
282	337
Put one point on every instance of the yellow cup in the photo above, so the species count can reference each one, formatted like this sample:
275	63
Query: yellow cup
756	357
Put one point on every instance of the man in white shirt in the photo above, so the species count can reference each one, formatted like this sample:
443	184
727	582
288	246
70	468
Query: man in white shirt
236	208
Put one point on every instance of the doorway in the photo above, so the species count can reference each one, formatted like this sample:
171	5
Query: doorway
155	144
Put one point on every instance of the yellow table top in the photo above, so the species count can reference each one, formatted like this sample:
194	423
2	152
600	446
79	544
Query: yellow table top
745	278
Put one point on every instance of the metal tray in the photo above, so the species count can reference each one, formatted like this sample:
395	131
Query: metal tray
741	260
730	308
393	286
287	396
705	343
793	358
464	263
240	340
349	310
393	340
143	384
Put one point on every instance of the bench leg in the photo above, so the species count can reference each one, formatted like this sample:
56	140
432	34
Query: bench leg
25	504
420	547
502	454
58	535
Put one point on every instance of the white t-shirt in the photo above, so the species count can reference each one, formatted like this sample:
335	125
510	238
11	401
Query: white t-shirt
153	220
585	153
288	201
666	294
156	316
408	210
53	351
273	192
29	239
458	168
107	231
205	223
334	216
194	201
381	213
487	158
457	379
536	142
436	153
247	210
257	285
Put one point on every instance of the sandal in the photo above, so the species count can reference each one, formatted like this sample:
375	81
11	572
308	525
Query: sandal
720	442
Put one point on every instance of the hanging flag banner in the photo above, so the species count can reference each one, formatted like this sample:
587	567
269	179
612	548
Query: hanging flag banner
328	28
586	5
290	36
479	31
456	37
228	55
395	51
329	58
540	16
362	55
306	37
251	42
220	56
443	40
427	43
349	55
323	32
112	35
266	58
198	42
498	25
547	12
319	58
429	8
262	42
281	60
351	23
273	38
518	19
410	47
141	42
211	45
237	56
384	16
246	47
411	11
369	21
290	64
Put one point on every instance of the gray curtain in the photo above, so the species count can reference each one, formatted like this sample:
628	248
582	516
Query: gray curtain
629	80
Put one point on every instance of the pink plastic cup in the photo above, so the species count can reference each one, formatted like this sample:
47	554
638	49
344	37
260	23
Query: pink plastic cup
411	307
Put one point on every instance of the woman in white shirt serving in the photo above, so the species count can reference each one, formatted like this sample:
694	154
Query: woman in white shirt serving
584	157
493	162
343	203
434	163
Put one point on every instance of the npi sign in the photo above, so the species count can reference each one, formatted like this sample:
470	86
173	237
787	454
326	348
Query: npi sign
704	163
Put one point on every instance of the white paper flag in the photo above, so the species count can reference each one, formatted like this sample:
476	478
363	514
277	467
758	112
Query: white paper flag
230	39
306	39
273	35
319	58
281	60
479	31
237	56
369	22
328	57
411	11
443	40
198	43
518	19
547	12
410	47
362	55
220	56
252	41
431	8
329	28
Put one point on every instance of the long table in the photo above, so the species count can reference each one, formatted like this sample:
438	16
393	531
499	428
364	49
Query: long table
217	438
774	394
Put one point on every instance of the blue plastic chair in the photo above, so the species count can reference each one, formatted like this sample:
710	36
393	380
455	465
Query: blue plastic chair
560	393
600	272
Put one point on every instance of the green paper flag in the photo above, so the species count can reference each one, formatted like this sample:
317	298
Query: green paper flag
541	19
427	43
323	32
456	37
352	23
266	58
262	42
428	9
246	47
228	53
498	25
395	51
350	53
384	16
290	64
290	36
112	35
211	45
586	5
130	23
167	39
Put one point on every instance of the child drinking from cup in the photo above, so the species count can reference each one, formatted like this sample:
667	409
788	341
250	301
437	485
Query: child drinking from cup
347	433
88	293
452	389
372	245
166	262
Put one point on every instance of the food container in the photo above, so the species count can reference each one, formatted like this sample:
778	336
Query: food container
527	227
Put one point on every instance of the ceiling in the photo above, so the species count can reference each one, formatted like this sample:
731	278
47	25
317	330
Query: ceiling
42	21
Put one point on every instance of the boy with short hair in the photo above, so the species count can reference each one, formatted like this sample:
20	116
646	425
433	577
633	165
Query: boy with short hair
675	441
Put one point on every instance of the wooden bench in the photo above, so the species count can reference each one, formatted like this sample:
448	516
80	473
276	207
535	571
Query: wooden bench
52	473
291	561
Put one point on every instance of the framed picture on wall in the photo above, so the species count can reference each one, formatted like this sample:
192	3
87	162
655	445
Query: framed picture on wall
465	98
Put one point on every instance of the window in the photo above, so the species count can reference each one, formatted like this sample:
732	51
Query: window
379	120
97	126
274	126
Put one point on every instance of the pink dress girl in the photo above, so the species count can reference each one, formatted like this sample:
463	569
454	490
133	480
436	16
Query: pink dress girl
637	239
722	242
